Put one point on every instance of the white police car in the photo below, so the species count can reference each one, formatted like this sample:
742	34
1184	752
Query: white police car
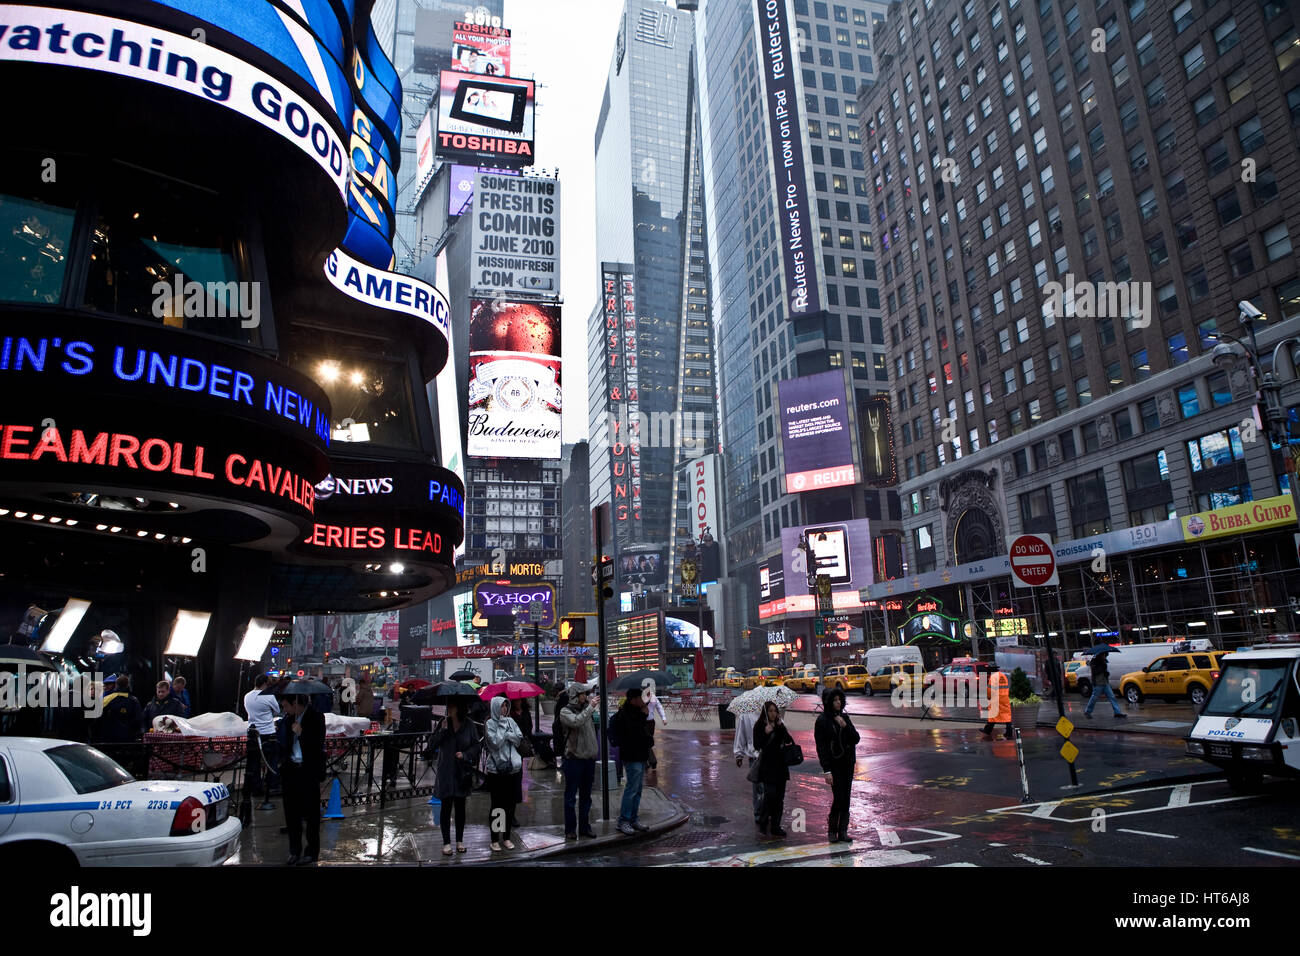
66	801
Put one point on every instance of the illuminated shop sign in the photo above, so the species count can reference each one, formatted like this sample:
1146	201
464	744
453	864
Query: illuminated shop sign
622	397
120	47
388	290
502	599
375	538
99	360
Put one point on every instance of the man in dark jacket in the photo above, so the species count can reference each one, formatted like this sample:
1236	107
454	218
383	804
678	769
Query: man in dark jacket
837	741
301	736
120	721
164	704
632	731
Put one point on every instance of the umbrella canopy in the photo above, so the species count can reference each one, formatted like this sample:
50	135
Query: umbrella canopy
753	701
465	675
611	672
634	679
513	690
449	690
308	687
415	683
700	675
1100	649
13	655
580	675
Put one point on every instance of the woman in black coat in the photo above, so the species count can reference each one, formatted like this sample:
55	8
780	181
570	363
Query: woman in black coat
837	741
770	736
457	742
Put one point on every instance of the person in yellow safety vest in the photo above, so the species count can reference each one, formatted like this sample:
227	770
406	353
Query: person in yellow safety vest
996	707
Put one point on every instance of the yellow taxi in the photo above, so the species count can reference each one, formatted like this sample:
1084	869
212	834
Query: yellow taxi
846	677
1074	670
802	678
727	677
1174	676
762	677
885	679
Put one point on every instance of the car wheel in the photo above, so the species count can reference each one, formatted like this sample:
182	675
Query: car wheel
1132	693
1197	693
868	690
37	854
1085	688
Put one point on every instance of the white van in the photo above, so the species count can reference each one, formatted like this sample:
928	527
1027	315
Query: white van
1128	658
1250	723
878	657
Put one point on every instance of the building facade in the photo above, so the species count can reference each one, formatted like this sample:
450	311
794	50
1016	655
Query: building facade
761	339
1070	202
575	531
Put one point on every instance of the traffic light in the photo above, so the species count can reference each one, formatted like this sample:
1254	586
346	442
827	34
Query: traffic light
573	630
602	578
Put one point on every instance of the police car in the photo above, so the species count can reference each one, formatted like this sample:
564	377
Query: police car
65	801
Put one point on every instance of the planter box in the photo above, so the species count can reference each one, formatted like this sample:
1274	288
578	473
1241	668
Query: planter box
548	708
1024	717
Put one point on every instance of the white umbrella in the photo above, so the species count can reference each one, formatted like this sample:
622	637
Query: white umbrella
753	701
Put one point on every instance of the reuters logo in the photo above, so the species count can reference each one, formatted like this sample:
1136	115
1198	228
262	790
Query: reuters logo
799	482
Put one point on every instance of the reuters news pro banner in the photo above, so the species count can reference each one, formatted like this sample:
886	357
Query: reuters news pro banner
514	379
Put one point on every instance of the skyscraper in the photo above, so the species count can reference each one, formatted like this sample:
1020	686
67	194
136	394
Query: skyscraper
780	318
651	356
1072	200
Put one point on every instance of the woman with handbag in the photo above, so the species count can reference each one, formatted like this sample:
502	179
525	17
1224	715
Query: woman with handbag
505	771
458	745
837	741
776	748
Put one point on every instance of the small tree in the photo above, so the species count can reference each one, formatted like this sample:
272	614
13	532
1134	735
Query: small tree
1021	689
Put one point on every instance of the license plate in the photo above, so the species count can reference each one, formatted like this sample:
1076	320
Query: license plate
222	811
1220	750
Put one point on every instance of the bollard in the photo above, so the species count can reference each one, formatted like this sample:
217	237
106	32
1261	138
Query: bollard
1024	779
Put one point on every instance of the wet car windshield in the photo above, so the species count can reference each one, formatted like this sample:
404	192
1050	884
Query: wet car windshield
1247	688
87	769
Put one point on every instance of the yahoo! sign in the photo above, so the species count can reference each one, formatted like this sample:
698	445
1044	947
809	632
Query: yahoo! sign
502	599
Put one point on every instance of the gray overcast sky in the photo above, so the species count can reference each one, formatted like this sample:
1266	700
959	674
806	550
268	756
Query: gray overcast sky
566	45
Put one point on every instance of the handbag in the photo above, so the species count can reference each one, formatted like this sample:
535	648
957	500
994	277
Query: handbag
792	754
526	747
752	775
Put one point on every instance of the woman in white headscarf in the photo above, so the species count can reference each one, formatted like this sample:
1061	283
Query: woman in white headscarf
505	768
652	705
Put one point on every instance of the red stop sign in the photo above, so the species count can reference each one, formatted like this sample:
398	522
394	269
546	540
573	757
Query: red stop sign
1033	562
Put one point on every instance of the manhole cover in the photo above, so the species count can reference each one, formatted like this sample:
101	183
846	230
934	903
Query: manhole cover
1030	854
686	838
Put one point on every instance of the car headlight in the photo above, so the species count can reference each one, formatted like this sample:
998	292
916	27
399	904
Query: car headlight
1256	753
1195	748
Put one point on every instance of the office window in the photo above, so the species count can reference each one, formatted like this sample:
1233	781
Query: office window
1141	367
1188	401
1277	242
1238	84
1264	188
1083	391
1194	61
1228	207
1183	16
1216	157
1204	108
1215	450
1287	49
1240	262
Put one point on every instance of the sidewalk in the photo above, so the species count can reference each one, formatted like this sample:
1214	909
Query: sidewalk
408	833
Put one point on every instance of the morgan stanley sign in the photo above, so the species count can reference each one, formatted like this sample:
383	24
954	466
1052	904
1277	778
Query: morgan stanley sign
795	216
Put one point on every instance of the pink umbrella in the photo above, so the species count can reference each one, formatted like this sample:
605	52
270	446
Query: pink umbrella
513	689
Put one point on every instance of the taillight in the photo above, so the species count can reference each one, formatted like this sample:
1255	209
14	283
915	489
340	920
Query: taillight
191	817
1214	675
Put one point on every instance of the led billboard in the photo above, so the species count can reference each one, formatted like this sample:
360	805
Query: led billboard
815	436
485	120
841	550
684	635
514	379
634	642
875	425
477	48
515	234
622	396
641	564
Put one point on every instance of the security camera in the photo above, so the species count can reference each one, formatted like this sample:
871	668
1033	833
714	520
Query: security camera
1248	311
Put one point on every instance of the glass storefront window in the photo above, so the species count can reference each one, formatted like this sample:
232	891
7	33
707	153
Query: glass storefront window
152	232
33	250
372	391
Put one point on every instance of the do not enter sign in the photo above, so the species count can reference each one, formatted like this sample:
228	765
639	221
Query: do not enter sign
1033	562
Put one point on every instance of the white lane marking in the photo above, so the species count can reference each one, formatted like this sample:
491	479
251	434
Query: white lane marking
1167	836
1031	859
1045	809
1181	795
997	844
958	864
892	857
888	837
1285	856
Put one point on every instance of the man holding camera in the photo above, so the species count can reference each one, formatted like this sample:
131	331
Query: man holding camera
578	718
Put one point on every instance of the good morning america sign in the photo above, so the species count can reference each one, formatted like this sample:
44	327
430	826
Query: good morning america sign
123	48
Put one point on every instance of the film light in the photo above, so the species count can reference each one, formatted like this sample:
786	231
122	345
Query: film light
256	636
63	628
188	631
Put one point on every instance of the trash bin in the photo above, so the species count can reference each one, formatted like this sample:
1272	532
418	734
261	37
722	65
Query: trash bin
726	719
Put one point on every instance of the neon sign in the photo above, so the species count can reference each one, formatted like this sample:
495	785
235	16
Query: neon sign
361	538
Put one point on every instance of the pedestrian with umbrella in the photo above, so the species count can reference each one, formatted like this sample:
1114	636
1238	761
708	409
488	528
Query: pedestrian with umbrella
1099	665
770	739
457	744
505	771
747	707
837	741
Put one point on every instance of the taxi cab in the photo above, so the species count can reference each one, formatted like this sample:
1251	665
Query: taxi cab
885	679
728	677
1174	676
762	677
1078	676
846	677
802	678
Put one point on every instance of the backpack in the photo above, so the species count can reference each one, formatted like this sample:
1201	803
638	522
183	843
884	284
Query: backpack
615	739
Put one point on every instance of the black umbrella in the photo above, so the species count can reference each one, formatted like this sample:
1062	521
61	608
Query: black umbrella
634	679
463	675
448	690
299	686
1100	649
